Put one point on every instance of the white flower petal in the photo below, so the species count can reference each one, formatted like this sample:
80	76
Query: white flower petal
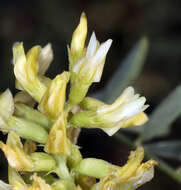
101	52
92	46
147	176
99	71
133	108
45	58
125	97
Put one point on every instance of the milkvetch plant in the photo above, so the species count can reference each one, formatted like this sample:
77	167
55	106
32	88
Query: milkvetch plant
55	122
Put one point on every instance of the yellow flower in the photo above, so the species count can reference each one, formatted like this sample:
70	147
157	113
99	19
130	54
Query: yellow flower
26	69
52	103
20	160
131	175
57	142
15	154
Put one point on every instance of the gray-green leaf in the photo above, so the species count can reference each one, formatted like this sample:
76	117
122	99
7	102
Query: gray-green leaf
163	116
166	149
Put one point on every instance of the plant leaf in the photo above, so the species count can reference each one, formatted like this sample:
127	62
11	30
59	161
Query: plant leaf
166	149
163	116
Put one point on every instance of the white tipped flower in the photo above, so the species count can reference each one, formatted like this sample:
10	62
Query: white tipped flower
127	106
88	69
93	61
126	111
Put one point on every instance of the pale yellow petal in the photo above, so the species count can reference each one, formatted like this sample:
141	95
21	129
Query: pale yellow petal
128	170
6	105
137	120
57	142
14	153
39	184
52	103
26	69
45	58
79	36
19	186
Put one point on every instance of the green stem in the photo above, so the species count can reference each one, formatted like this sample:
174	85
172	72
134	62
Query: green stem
163	166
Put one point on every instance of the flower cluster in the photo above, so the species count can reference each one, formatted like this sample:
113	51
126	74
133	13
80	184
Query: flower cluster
40	115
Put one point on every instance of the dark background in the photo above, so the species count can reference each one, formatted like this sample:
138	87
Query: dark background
125	21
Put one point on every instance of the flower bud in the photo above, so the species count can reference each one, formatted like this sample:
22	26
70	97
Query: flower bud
75	157
78	40
63	184
27	129
52	103
93	167
42	162
21	110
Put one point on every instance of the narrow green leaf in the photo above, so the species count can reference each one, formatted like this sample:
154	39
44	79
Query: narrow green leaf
164	115
128	71
166	149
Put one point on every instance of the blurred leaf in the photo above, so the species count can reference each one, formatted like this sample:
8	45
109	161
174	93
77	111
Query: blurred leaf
127	72
166	149
163	116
